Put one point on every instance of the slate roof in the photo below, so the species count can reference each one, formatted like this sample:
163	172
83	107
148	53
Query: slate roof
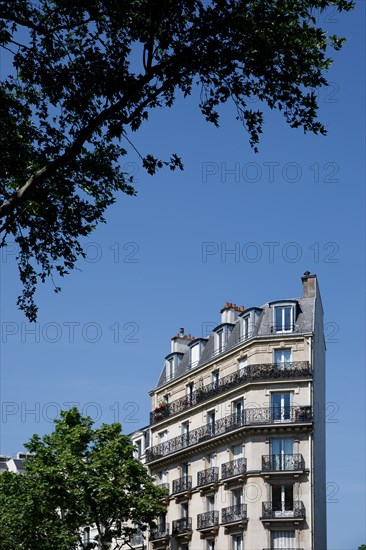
304	323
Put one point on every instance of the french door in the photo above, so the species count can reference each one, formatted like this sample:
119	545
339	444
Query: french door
281	407
283	500
282	454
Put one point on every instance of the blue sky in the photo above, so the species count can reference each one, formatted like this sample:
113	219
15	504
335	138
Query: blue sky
163	262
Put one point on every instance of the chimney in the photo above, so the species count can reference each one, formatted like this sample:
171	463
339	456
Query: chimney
309	283
229	313
180	341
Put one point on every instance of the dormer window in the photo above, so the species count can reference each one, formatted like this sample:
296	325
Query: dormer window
195	355
220	341
170	368
283	318
245	327
222	333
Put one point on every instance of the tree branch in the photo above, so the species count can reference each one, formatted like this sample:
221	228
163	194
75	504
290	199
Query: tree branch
50	169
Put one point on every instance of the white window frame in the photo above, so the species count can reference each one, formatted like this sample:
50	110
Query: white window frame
246	332
283	327
281	351
194	350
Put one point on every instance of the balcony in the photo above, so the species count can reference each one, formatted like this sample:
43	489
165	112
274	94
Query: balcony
294	511
182	485
283	463
160	532
234	468
251	373
182	526
210	476
234	514
230	423
208	521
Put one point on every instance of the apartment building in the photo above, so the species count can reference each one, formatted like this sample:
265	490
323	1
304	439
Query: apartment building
236	434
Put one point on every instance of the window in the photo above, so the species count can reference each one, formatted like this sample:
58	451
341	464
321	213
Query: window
163	436
215	378
138	450
220	341
86	536
284	318
189	391
238	411
170	369
281	407
282	539
282	357
236	497
185	432
211	460
210	503
184	510
245	328
211	544
211	422
195	354
282	454
184	470
162	522
282	500
163	476
237	451
243	362
237	542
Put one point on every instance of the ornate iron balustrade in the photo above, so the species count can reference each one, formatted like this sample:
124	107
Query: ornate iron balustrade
233	468
234	513
249	417
160	532
181	526
182	484
293	510
207	519
250	373
210	475
282	463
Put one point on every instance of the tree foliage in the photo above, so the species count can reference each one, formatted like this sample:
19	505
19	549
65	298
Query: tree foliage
86	74
77	476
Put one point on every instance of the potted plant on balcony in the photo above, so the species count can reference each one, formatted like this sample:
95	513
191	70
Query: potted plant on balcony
161	410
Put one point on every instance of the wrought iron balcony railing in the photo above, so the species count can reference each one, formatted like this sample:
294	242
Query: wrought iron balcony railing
250	373
182	484
205	477
291	510
283	463
180	526
234	513
233	468
249	417
207	520
160	532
